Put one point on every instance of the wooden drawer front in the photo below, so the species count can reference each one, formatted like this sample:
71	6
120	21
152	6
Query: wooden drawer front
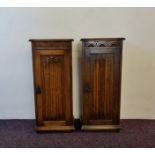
41	45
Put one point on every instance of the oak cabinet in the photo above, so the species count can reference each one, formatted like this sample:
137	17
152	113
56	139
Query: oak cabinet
52	66
101	83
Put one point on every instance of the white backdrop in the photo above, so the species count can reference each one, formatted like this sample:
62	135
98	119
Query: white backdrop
18	25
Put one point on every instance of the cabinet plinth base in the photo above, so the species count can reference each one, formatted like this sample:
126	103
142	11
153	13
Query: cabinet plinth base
100	127
54	128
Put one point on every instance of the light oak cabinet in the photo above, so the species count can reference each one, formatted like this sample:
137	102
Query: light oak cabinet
101	83
52	66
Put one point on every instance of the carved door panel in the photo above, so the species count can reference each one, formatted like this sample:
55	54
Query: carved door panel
98	89
51	85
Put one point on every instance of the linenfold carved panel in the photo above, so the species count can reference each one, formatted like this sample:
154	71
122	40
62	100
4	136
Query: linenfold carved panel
100	43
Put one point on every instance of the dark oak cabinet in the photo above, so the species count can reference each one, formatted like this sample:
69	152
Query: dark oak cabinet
52	66
101	83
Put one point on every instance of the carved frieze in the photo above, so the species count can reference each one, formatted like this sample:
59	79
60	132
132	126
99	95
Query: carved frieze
102	43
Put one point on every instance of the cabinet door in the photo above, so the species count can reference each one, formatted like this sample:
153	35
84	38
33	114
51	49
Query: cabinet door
53	87
98	87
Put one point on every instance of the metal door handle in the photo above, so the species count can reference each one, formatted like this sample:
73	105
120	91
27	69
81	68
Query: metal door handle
38	90
87	88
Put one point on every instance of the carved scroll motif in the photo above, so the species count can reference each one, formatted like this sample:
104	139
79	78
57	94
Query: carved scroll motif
102	44
51	59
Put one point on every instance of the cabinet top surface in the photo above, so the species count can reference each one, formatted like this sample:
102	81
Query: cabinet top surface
91	39
35	40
